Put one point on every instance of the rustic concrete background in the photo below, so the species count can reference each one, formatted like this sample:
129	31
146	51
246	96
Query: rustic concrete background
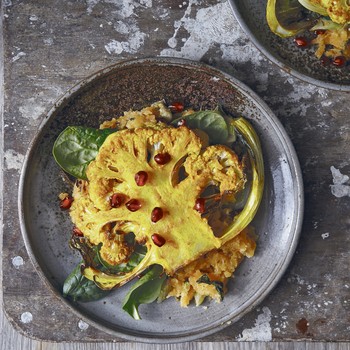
49	45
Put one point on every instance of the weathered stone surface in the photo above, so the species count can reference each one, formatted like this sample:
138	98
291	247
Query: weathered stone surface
50	45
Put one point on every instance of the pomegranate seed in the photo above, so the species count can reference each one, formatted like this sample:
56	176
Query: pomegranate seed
200	205
133	204
157	214
116	200
162	158
158	240
301	42
66	203
77	232
177	107
141	178
339	61
181	122
320	31
325	61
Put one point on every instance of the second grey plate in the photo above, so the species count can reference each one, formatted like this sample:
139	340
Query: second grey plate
301	63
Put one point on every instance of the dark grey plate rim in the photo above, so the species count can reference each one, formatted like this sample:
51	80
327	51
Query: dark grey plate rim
268	285
295	73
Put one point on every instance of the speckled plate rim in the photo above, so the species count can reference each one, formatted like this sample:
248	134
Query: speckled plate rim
295	73
269	283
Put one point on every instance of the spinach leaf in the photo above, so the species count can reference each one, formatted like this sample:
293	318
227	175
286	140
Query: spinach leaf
77	146
211	121
135	258
219	286
79	288
144	291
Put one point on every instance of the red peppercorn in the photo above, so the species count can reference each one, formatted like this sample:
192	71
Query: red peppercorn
339	61
116	200
157	214
77	232
141	178
158	240
301	42
162	158
133	204
177	107
200	205
66	203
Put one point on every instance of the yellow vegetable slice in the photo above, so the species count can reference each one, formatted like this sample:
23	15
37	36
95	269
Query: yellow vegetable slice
185	233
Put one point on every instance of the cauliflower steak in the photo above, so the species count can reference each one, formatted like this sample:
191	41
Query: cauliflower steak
151	182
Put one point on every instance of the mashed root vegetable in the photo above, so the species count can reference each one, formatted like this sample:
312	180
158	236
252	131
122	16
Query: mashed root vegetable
218	264
333	43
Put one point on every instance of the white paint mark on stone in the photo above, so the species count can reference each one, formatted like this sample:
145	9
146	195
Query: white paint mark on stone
261	331
48	41
114	47
178	24
222	32
83	325
146	3
91	4
135	41
296	279
172	42
32	108
13	160
121	27
26	317
33	18
125	8
18	56
17	262
340	188
325	235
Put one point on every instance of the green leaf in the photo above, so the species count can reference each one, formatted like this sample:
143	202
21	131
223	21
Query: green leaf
79	288
211	121
217	284
135	258
145	291
77	146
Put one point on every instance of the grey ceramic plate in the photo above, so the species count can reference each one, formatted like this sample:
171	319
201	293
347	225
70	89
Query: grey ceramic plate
133	84
301	63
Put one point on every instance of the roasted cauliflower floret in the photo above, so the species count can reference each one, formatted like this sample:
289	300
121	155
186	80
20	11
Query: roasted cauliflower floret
150	116
337	10
163	209
218	265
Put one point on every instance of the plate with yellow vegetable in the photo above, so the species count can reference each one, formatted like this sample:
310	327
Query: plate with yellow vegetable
161	200
309	39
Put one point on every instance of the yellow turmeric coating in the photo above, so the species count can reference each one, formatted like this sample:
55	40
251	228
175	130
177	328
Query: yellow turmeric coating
192	246
124	154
